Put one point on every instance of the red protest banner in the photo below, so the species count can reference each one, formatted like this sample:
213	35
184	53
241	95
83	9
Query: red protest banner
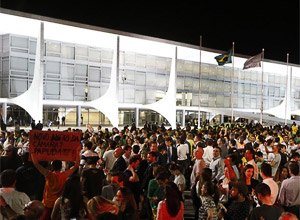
54	145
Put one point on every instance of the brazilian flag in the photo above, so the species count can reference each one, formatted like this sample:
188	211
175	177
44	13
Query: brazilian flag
224	58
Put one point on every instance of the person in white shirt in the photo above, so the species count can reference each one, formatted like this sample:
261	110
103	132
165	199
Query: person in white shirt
23	146
217	164
182	152
266	175
179	177
208	152
15	199
108	156
127	153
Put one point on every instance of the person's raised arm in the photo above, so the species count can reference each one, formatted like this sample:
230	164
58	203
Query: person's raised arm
134	177
38	166
76	165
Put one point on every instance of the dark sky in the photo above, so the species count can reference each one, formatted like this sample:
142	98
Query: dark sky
252	25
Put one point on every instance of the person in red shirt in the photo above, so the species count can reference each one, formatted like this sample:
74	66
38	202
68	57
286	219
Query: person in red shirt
54	182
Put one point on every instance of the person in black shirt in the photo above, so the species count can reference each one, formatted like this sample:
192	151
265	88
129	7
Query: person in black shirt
238	206
29	179
266	210
131	179
92	179
120	163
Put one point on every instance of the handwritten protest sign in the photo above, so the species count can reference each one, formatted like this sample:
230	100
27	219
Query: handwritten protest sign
54	145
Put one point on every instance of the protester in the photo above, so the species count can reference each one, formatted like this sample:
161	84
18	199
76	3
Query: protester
156	147
54	182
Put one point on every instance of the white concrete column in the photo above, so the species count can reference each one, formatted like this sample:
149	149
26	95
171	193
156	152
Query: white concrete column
183	118
4	112
137	117
110	108
167	105
78	116
32	99
222	119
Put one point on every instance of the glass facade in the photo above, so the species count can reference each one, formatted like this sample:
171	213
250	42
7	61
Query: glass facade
78	72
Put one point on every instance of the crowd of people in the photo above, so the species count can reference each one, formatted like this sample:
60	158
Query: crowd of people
232	171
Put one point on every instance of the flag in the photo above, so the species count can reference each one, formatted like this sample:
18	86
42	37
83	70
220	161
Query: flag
254	61
224	58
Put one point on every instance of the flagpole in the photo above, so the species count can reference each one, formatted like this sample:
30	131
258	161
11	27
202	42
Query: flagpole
199	92
232	75
262	86
287	86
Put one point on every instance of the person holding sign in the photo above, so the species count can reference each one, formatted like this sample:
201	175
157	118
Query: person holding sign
54	182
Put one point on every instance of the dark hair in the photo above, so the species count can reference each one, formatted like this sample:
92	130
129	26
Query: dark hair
119	174
217	147
241	187
206	174
248	166
134	158
259	154
153	154
295	154
56	165
174	167
162	175
173	200
263	189
135	149
127	147
73	192
212	190
248	146
269	141
266	169
233	142
294	168
209	142
112	144
169	139
25	134
8	178
88	144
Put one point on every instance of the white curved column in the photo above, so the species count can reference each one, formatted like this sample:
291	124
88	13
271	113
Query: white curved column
108	103
32	99
167	105
283	110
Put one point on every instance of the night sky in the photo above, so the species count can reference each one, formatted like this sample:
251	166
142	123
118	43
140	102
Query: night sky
252	25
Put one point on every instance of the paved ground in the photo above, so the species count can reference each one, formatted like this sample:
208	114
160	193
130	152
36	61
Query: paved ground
188	206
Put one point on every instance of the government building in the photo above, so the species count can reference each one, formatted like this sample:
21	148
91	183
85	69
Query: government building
52	69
